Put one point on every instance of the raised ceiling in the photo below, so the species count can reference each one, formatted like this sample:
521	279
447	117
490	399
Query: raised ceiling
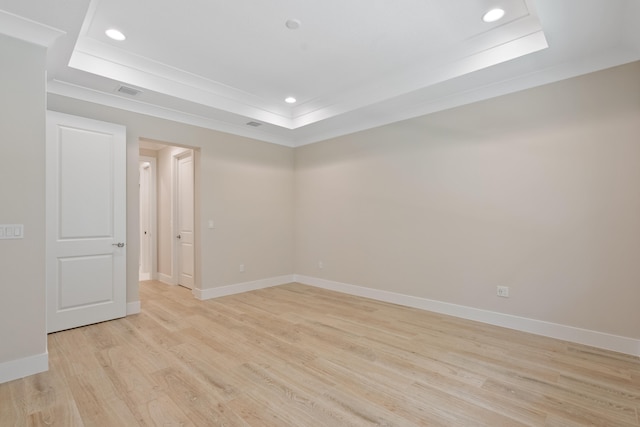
351	65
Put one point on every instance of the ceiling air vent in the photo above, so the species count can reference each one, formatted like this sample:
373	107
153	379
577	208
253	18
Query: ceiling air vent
128	90
254	124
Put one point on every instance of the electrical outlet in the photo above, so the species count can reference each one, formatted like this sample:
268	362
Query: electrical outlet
241	268
320	265
503	291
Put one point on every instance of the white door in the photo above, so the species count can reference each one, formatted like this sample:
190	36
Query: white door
145	220
86	221
185	221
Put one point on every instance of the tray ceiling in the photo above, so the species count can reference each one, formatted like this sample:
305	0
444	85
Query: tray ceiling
349	65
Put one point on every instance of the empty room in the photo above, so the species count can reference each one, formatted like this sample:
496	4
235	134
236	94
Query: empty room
337	213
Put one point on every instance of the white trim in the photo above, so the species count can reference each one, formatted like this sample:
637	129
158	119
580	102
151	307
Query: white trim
133	307
430	73
499	44
20	368
380	114
166	279
239	288
27	30
111	62
553	330
69	90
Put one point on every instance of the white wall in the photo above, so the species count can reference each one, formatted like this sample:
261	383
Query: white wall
22	189
538	191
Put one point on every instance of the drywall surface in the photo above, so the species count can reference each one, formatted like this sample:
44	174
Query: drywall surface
538	191
22	200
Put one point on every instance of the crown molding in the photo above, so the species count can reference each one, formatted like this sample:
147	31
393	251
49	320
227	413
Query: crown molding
27	30
378	115
97	58
69	90
520	36
386	113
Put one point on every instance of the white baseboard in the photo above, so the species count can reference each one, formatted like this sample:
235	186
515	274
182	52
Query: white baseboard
133	308
239	288
145	276
164	278
20	368
553	330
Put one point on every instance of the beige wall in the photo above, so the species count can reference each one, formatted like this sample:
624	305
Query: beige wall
244	185
148	153
22	268
538	191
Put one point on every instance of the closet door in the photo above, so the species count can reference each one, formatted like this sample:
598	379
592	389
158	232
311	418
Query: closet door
86	221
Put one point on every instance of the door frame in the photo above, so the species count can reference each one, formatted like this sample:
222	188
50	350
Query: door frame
153	214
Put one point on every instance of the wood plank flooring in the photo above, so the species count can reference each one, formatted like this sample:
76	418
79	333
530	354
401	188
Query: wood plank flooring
294	355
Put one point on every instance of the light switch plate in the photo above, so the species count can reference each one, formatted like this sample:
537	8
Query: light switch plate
11	231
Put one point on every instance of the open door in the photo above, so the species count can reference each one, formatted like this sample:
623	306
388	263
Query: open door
185	218
86	221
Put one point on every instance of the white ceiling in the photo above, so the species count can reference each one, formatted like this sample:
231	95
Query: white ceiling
351	65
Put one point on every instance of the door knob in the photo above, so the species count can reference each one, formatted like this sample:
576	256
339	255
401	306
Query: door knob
120	245
179	237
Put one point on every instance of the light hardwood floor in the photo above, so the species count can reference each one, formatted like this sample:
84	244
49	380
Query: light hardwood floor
294	355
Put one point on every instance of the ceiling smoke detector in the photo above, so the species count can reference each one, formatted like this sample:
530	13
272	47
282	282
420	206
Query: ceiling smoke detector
128	90
293	24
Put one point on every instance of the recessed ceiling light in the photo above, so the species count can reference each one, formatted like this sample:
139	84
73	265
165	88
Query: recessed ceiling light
293	24
493	15
290	100
114	34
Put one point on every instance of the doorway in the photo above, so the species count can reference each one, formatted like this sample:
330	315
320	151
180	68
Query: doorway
174	256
